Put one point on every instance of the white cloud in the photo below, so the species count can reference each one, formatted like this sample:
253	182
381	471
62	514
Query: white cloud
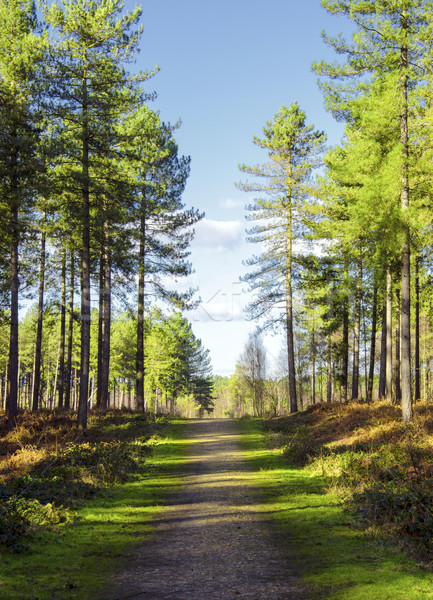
218	235
233	203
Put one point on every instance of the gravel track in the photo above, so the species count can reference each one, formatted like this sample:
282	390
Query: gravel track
211	542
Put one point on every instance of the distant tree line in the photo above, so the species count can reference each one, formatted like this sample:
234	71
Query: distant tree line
177	369
91	186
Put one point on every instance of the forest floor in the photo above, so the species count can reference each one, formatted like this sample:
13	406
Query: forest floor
213	540
250	519
299	507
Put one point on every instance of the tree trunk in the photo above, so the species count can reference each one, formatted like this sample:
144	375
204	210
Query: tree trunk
122	394
365	350
321	382
345	342
47	383
345	357
61	376
100	329
74	405
313	367
68	372
19	380
289	312
417	352
12	383
27	391
405	251
139	386
92	391
85	271
397	348
388	335
372	346
356	331
5	397
38	347
102	400
29	388
106	320
53	399
329	380
382	373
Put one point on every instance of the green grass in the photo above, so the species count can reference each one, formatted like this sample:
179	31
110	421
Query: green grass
74	561
334	556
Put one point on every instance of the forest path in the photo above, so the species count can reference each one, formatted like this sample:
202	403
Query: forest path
212	541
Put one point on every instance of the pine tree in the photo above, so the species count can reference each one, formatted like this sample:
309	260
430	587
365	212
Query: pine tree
200	376
360	214
113	244
162	223
19	164
293	148
38	344
390	39
91	43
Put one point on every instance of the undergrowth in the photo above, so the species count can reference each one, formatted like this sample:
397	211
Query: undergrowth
48	468
381	470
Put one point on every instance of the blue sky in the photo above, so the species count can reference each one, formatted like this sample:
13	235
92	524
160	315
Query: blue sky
226	68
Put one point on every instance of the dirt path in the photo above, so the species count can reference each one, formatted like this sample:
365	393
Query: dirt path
211	542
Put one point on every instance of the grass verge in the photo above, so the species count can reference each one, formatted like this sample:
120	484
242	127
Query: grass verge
75	560
335	557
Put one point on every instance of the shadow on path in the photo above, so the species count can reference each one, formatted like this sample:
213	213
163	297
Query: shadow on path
210	542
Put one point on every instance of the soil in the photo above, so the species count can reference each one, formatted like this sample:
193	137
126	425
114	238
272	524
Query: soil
212	541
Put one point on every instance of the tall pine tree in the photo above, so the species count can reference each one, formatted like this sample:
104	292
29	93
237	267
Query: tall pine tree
293	149
91	43
19	163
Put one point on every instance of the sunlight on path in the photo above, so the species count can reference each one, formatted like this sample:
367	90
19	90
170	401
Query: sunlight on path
210	542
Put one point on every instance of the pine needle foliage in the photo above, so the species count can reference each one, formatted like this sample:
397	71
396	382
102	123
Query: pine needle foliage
294	150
